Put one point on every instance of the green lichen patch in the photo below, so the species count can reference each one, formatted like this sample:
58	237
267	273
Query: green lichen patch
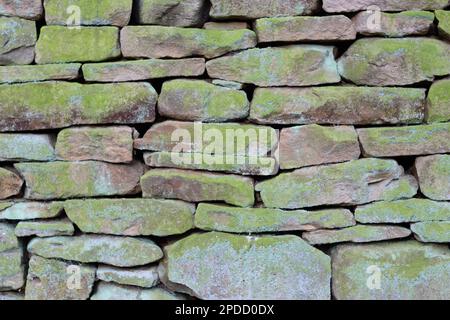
443	17
438	106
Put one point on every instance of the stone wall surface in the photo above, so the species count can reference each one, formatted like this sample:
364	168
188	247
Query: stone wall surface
224	149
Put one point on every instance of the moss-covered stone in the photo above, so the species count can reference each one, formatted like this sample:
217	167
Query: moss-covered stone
338	105
248	220
405	141
443	17
26	147
145	277
21	74
8	239
10	182
143	69
54	104
438	106
198	100
17	40
58	44
438	232
355	182
93	12
406	270
403	211
224	266
433	173
12	270
275	67
198	186
384	62
30	210
116	251
131	217
63	180
27	9
50	279
109	291
45	228
173	42
383	5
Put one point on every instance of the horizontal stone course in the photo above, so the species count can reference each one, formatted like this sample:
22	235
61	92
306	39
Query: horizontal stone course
46	228
22	74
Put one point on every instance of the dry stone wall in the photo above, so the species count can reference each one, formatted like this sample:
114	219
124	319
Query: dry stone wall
224	149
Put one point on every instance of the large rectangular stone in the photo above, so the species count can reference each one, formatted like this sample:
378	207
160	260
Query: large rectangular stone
49	105
26	147
21	74
30	210
17	40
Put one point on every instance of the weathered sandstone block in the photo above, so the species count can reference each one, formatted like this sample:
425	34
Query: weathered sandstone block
27	9
296	65
177	13
58	44
21	74
198	186
62	180
290	29
26	147
384	5
210	266
12	270
111	292
10	183
49	105
438	106
46	228
433	173
145	277
30	210
444	23
438	232
173	42
337	105
17	40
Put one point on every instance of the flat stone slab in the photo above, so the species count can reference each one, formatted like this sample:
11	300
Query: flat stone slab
30	210
355	182
438	106
405	141
45	72
136	70
12	270
11	183
443	16
50	279
26	147
222	266
438	232
383	5
338	105
173	42
46	228
54	104
198	186
198	100
233	25
17	40
276	67
131	217
111	250
87	44
109	291
291	29
211	217
145	277
63	180
395	62
356	234
433	173
403	211
93	12
391	271
27	9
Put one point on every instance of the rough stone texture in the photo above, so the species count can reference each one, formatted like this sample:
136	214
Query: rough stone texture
238	139
229	84
143	69
290	29
408	270
296	65
246	166
145	277
8	239
438	106
438	232
405	141
5	205
390	62
338	105
355	182
248	220
17	40
31	210
198	186
62	180
50	279
21	74
131	217
49	105
12	271
232	267
357	234
46	228
109	144
227	25
26	147
109	291
403	211
27	9
252	9
10	183
394	25
198	100
173	42
444	23
116	251
93	12
178	13
87	44
11	296
433	173
313	145
384	5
